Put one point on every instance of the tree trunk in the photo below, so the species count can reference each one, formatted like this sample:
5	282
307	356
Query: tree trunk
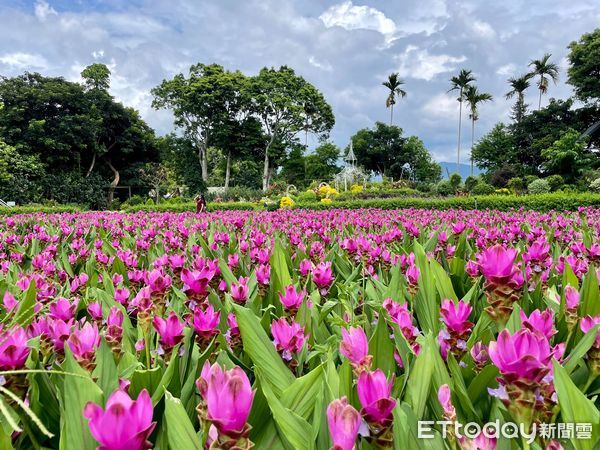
202	157
541	84
391	114
91	166
227	170
114	183
266	173
472	142
459	129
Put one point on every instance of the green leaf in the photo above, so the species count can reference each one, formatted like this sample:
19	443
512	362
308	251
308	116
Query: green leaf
26	312
425	304
106	369
76	393
575	407
261	350
590	294
581	349
442	281
382	348
180	431
419	382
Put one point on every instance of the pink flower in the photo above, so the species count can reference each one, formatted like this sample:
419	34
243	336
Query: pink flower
479	353
497	264
456	316
169	330
124	424
412	274
9	301
157	281
524	356
374	394
288	338
240	290
344	422
228	396
62	309
355	346
587	323
263	274
322	276
539	322
122	295
571	297
446	401
84	341
195	283
13	348
291	298
305	267
205	322
95	310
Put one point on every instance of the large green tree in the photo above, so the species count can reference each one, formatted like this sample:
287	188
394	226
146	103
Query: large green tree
584	70
384	151
518	86
279	100
474	97
201	103
569	156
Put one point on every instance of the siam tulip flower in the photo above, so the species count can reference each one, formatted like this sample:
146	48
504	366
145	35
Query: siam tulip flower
571	298
305	267
142	302
195	283
479	353
83	342
9	301
292	299
400	315
412	276
524	360
233	333
355	347
122	295
503	280
288	338
170	330
114	328
205	323
263	274
446	402
539	322
239	291
454	337
95	311
472	269
58	331
124	424
62	309
233	260
228	397
158	282
586	325
374	393
322	276
13	348
344	423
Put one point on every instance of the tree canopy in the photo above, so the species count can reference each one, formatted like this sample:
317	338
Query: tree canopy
584	69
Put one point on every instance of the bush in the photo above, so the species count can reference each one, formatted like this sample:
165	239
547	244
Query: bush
555	182
35	208
595	185
530	179
516	185
455	180
445	188
483	189
471	182
307	196
538	187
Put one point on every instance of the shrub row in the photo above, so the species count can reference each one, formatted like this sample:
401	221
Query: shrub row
542	202
31	209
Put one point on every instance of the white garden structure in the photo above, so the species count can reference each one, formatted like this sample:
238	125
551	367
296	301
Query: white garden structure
350	174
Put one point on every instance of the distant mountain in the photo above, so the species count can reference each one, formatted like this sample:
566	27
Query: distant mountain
464	169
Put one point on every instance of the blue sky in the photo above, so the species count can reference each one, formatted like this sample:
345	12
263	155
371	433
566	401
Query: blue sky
345	48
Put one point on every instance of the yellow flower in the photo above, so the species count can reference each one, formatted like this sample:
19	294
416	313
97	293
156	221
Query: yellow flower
286	202
326	201
356	188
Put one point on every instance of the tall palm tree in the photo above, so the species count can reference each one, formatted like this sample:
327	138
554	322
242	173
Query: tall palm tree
473	98
545	70
459	83
393	83
518	87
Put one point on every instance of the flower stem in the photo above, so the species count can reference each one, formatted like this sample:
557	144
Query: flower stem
589	382
147	346
526	445
34	443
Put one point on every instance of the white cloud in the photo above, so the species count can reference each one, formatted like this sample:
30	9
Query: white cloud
323	65
483	29
507	70
354	17
418	63
43	10
441	106
24	61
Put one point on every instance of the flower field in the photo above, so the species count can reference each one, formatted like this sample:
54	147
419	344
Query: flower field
300	329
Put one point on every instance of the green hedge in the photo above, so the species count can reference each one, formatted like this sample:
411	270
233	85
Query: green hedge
191	206
31	209
542	202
